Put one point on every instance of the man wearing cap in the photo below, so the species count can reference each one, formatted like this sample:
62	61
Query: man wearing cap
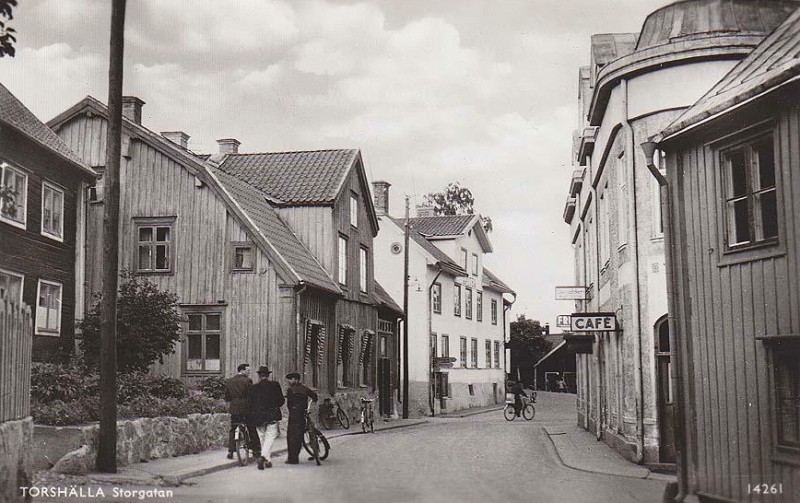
297	396
265	399
236	394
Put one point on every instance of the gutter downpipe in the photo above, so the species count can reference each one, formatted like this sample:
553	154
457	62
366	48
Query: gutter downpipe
637	314
431	382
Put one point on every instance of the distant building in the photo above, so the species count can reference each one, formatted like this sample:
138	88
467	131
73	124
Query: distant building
42	233
733	200
558	364
270	254
635	86
457	307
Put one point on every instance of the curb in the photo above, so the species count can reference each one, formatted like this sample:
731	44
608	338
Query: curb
468	414
177	479
649	476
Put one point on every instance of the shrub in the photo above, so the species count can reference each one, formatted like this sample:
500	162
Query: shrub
59	413
87	409
55	381
148	325
164	386
213	387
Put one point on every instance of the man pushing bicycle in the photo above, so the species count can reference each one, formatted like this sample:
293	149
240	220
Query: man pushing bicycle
297	396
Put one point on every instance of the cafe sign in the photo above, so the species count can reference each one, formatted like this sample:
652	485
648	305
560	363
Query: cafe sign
593	322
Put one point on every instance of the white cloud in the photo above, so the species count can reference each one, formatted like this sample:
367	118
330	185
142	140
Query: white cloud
261	80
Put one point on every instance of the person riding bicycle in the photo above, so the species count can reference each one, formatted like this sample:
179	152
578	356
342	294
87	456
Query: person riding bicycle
265	399
518	391
236	394
297	396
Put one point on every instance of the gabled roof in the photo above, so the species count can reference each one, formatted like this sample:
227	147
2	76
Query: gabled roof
774	62
294	178
441	257
491	281
17	116
291	258
450	226
269	223
382	298
556	348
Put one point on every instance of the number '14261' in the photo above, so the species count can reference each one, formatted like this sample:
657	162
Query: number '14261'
764	488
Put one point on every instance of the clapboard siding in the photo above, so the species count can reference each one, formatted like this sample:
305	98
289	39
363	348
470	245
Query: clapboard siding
356	236
724	305
259	322
314	226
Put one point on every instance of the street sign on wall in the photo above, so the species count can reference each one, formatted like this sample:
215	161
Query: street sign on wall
570	293
593	322
564	321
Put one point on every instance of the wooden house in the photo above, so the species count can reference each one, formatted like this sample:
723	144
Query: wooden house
732	200
250	243
41	231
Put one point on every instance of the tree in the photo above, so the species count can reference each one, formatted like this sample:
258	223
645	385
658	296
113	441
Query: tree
7	37
455	200
527	344
148	325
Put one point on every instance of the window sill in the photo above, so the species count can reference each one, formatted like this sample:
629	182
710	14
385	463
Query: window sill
752	253
54	237
155	273
363	386
243	271
658	238
14	223
192	373
47	333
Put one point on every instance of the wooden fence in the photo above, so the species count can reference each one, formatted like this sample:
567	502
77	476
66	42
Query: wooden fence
16	338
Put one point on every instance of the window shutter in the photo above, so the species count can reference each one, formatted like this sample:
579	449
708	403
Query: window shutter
342	338
307	357
321	344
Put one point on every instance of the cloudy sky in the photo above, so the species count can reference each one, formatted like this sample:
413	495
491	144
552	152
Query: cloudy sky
432	91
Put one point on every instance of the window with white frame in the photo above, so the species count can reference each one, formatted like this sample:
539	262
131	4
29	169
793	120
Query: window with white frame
457	300
787	397
445	346
363	262
342	260
660	161
203	342
479	304
154	245
497	354
488	346
16	180
48	308
494	311
474	353
52	211
463	352
436	298
243	257
468	303
11	286
475	264
622	202
464	255
751	206
354	210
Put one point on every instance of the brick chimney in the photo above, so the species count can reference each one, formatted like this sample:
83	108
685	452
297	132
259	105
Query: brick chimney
425	211
380	191
179	138
132	109
228	146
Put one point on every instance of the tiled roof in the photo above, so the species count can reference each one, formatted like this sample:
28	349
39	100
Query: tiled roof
382	298
16	115
311	177
445	225
431	248
607	47
266	218
495	283
774	61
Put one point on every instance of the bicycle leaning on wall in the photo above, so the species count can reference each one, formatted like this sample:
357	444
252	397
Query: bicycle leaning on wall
367	415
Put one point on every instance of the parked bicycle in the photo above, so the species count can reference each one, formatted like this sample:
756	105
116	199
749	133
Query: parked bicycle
367	415
528	410
332	413
241	438
314	442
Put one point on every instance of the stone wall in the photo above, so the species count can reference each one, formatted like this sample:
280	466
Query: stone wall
16	438
144	439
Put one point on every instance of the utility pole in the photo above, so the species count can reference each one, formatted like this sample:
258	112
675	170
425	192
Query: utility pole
405	323
107	439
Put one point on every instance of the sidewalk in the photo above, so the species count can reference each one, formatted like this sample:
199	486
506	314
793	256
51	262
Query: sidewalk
472	411
580	450
173	471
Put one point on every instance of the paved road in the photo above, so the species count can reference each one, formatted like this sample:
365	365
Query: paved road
481	458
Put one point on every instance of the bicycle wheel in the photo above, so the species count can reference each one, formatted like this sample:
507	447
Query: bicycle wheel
324	447
313	443
326	421
242	447
529	412
509	413
371	422
363	421
343	419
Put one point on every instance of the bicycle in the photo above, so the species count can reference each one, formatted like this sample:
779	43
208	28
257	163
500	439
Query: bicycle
367	415
314	442
327	416
241	438
528	410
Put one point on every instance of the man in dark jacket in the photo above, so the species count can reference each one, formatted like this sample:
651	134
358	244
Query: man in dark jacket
265	399
297	396
236	394
519	392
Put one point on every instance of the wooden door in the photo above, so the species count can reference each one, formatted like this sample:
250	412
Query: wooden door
666	404
384	386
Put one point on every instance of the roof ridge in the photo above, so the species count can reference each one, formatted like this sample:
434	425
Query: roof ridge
296	151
